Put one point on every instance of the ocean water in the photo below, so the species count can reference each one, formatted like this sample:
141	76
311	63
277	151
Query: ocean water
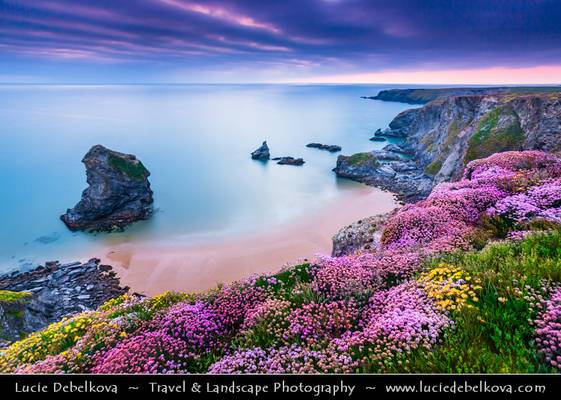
195	140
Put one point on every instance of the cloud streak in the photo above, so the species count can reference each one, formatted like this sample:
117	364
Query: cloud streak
328	38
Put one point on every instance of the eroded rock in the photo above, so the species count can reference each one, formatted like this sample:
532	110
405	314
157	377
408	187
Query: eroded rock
118	193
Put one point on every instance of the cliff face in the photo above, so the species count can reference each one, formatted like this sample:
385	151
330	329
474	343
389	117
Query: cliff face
440	138
423	96
451	131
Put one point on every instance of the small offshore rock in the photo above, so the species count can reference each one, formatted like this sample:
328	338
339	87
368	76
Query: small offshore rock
290	161
332	148
262	153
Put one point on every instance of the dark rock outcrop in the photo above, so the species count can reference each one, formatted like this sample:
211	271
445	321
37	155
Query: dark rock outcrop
386	170
289	161
395	148
262	153
118	193
332	148
56	291
359	237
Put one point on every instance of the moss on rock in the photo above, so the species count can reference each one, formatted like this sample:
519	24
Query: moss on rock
362	158
9	297
498	131
133	169
433	167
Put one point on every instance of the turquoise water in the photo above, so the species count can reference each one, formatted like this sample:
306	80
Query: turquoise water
194	139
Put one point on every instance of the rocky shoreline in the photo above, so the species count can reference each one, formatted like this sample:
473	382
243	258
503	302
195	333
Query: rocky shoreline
453	128
387	169
55	291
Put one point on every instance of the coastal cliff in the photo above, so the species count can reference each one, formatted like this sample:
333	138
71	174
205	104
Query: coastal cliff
423	96
448	132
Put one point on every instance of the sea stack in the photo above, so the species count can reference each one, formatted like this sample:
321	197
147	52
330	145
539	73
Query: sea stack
262	153
118	193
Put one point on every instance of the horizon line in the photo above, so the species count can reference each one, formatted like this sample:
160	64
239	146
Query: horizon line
272	83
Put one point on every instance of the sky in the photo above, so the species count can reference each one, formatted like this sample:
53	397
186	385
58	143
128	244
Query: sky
297	41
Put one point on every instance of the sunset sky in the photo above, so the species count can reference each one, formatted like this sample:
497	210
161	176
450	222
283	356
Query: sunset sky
302	41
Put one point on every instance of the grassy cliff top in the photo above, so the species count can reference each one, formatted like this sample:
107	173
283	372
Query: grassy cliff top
423	96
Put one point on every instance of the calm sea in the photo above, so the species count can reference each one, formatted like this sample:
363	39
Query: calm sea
194	139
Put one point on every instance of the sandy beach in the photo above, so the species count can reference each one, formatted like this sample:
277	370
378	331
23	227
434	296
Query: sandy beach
153	268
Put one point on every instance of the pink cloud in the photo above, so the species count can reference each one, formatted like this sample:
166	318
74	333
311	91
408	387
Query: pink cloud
222	14
546	74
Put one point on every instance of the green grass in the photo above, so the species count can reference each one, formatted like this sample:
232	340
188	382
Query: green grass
433	167
287	280
9	297
497	334
489	138
134	170
362	158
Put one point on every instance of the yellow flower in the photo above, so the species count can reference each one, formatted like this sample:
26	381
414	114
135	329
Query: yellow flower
449	286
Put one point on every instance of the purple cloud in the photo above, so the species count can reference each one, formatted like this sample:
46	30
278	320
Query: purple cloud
318	36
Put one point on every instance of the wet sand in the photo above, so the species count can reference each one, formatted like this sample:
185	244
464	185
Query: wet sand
152	268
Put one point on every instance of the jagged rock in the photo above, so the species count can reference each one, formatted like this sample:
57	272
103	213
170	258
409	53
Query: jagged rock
289	161
357	166
118	193
332	148
378	138
262	153
359	237
53	295
386	170
394	148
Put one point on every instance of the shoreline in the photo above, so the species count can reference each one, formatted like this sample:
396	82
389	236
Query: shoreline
154	268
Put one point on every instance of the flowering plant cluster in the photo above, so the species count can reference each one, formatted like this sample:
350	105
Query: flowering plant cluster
293	359
397	320
450	287
549	330
376	311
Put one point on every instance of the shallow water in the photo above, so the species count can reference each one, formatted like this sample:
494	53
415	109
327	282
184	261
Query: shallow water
194	139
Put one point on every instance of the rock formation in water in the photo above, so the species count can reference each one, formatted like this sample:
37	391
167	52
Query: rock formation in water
289	161
262	153
48	293
118	193
447	133
387	170
332	148
378	137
